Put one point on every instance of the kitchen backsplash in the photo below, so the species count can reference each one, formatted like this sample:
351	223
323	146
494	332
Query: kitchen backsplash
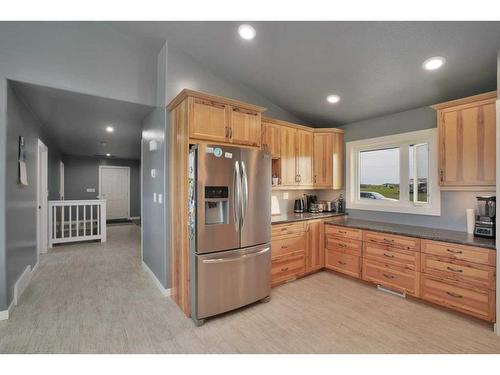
286	203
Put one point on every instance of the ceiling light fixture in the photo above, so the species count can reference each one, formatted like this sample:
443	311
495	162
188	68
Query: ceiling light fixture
110	129
433	63
246	32
108	155
333	99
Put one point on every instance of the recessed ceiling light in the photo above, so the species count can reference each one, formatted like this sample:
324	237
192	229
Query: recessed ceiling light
433	63
246	32
110	129
108	155
333	99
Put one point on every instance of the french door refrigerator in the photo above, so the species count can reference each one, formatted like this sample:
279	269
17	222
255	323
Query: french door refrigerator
230	228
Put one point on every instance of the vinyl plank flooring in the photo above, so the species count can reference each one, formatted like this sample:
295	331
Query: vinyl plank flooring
96	298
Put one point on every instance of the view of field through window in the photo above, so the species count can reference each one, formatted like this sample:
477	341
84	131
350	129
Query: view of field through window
379	173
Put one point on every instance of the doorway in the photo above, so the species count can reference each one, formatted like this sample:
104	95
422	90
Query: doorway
42	199
114	186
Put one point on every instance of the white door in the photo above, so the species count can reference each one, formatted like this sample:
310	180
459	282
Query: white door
114	186
61	180
42	198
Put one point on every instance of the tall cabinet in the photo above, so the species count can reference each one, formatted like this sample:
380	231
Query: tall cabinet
467	143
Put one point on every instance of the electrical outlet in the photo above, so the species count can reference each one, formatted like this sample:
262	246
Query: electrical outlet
160	198
154	197
285	195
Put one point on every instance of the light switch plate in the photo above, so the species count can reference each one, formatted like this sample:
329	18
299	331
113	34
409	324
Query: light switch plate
160	198
285	195
154	197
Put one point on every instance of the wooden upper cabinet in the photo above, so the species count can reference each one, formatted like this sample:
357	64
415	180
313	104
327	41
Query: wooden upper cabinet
288	156
467	142
245	127
271	139
328	160
304	157
208	120
222	120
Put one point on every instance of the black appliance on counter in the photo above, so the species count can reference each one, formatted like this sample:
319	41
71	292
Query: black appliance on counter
298	206
485	217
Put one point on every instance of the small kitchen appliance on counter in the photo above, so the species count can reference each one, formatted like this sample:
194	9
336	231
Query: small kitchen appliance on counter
298	206
485	217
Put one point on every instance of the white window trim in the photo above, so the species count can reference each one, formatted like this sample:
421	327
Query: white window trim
433	207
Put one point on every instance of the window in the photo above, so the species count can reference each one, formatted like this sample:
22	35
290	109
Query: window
394	173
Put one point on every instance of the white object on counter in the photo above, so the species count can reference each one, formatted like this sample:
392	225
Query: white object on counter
470	213
275	206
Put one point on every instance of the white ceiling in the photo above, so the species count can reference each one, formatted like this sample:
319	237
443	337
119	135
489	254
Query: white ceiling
376	67
77	121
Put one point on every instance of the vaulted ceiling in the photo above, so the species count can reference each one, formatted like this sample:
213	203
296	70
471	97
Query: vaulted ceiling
376	67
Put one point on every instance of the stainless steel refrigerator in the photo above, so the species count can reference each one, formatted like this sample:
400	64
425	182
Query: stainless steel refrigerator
230	228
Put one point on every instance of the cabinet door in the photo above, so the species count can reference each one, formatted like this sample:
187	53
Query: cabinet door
323	159
315	249
467	143
208	121
338	160
245	127
288	152
271	140
304	157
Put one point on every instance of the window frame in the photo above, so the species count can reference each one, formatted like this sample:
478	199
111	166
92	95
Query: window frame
403	205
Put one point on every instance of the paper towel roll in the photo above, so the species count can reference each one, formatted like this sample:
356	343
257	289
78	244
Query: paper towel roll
470	213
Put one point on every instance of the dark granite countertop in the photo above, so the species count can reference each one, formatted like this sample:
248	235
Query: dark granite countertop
292	216
444	235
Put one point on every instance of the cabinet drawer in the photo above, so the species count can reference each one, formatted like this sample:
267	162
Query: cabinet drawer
400	242
289	228
459	252
393	278
408	259
341	262
343	232
480	304
344	245
469	273
289	244
287	267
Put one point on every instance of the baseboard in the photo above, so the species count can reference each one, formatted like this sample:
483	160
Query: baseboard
22	283
4	315
163	290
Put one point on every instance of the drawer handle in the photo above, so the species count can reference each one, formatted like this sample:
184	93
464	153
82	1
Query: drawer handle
283	229
342	245
342	231
284	247
454	269
388	240
454	251
342	263
388	276
284	269
388	255
455	295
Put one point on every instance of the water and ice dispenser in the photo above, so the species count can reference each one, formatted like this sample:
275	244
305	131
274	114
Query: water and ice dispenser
216	205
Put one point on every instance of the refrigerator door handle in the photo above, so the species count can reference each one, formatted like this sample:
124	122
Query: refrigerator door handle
244	192
238	257
236	196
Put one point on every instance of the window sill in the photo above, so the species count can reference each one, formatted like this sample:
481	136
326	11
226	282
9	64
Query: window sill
410	209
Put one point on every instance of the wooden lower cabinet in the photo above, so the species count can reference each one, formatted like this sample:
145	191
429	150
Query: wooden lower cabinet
287	267
460	277
393	277
315	247
342	262
476	302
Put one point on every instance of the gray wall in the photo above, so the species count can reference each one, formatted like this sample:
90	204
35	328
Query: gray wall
184	72
21	201
83	57
81	172
453	204
155	228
